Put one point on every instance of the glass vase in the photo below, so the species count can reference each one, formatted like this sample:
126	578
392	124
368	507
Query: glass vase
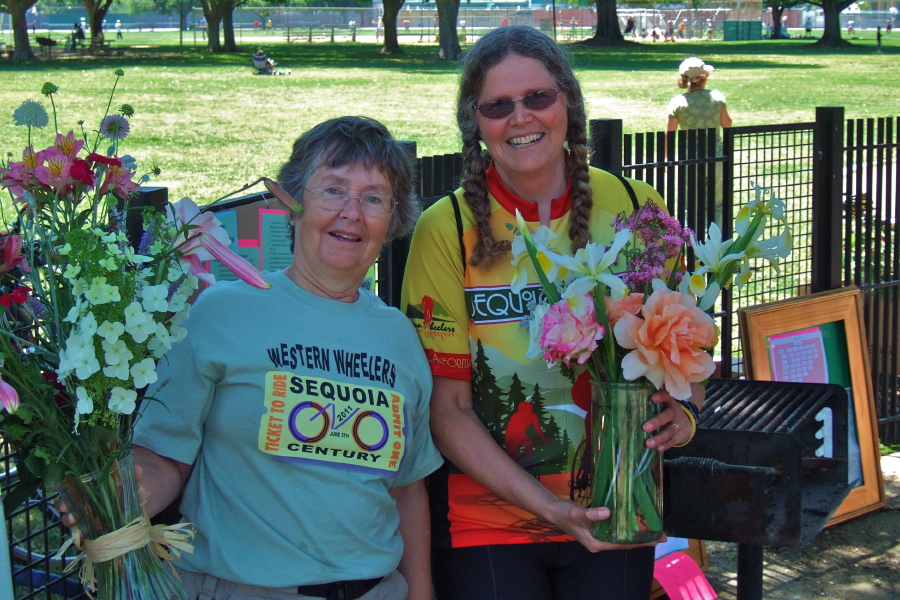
105	502
627	476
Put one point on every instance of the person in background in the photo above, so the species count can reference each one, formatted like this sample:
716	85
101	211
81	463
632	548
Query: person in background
629	26
682	27
888	26
878	38
263	63
294	419
119	35
204	25
808	26
504	525
700	108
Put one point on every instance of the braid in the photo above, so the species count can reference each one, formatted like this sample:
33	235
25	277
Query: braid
582	195
487	249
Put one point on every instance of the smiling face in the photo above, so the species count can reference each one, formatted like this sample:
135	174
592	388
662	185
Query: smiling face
335	249
527	144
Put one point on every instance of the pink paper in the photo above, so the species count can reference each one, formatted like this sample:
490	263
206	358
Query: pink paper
681	578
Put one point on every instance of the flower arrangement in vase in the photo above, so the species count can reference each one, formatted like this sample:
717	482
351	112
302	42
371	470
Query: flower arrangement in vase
638	321
84	319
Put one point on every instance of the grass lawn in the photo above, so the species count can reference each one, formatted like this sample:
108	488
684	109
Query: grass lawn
211	125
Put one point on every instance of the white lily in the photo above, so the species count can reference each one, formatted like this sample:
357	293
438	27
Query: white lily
592	265
542	240
713	254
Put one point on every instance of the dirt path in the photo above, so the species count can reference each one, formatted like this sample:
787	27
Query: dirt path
859	559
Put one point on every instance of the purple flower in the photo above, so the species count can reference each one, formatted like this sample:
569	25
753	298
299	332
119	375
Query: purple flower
114	127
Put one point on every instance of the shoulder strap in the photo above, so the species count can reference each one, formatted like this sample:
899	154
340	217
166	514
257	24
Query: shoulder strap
459	227
634	200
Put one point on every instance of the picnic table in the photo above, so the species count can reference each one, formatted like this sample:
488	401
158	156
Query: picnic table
46	45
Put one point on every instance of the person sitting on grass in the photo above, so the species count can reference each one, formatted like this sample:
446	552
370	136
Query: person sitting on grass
263	64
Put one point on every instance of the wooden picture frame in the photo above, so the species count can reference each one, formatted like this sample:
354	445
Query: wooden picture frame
828	329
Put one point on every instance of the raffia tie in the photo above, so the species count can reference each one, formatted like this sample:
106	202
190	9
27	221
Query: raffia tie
166	541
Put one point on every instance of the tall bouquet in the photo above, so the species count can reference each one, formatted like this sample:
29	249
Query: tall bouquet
86	316
633	314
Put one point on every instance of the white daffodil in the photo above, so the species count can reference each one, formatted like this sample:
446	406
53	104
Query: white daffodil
122	401
591	265
110	331
154	298
144	373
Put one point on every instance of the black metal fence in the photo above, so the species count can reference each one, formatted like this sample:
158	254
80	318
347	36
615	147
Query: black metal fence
839	180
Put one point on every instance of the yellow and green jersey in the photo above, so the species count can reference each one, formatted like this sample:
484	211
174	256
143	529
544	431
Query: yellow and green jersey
470	324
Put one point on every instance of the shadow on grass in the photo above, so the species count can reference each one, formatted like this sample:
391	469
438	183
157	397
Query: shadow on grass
763	54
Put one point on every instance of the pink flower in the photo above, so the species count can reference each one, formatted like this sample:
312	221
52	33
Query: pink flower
54	172
118	181
68	145
631	304
8	397
667	344
204	239
20	175
570	334
11	255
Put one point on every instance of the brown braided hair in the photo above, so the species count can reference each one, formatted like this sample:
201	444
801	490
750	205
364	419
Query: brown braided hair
485	54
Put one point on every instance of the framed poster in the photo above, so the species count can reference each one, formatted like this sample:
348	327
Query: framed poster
820	338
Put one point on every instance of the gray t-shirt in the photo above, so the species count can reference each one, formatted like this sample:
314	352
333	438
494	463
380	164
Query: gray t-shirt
298	413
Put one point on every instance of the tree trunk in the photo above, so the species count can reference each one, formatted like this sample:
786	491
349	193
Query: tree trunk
608	32
213	14
391	10
831	35
448	11
777	12
228	28
17	10
96	12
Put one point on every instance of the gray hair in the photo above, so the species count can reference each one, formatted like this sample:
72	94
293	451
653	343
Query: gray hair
350	141
488	52
496	45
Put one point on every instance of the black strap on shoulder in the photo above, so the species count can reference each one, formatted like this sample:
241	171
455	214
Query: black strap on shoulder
459	227
634	200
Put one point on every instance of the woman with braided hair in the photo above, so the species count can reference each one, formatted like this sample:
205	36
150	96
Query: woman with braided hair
506	521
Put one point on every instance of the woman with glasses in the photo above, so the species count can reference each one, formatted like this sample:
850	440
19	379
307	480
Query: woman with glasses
295	419
509	521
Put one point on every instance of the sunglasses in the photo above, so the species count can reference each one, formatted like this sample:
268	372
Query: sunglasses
503	107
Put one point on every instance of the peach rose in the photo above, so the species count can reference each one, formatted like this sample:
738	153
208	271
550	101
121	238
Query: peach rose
667	343
616	308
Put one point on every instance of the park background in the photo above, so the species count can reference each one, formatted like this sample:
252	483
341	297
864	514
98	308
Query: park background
211	125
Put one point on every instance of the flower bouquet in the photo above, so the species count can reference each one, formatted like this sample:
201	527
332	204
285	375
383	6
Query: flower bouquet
85	318
638	321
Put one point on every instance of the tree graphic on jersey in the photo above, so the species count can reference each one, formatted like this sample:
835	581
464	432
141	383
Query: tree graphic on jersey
486	395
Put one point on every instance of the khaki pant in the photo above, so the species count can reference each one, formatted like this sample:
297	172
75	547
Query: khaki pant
200	586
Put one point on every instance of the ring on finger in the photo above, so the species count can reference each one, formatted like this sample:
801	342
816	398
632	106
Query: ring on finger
676	426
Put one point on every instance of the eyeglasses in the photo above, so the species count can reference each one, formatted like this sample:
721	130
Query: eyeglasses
503	107
335	198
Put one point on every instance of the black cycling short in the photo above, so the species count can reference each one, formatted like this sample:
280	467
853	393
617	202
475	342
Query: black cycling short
544	571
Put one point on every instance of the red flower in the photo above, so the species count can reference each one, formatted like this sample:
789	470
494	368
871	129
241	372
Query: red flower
82	172
113	161
11	255
17	296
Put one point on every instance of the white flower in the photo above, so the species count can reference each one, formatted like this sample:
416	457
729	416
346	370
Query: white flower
32	114
119	371
144	373
177	333
72	317
88	325
122	401
522	262
65	367
110	263
110	331
87	367
85	404
174	273
534	331
116	353
79	286
177	303
72	271
101	292
134	314
155	298
65	249
592	265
